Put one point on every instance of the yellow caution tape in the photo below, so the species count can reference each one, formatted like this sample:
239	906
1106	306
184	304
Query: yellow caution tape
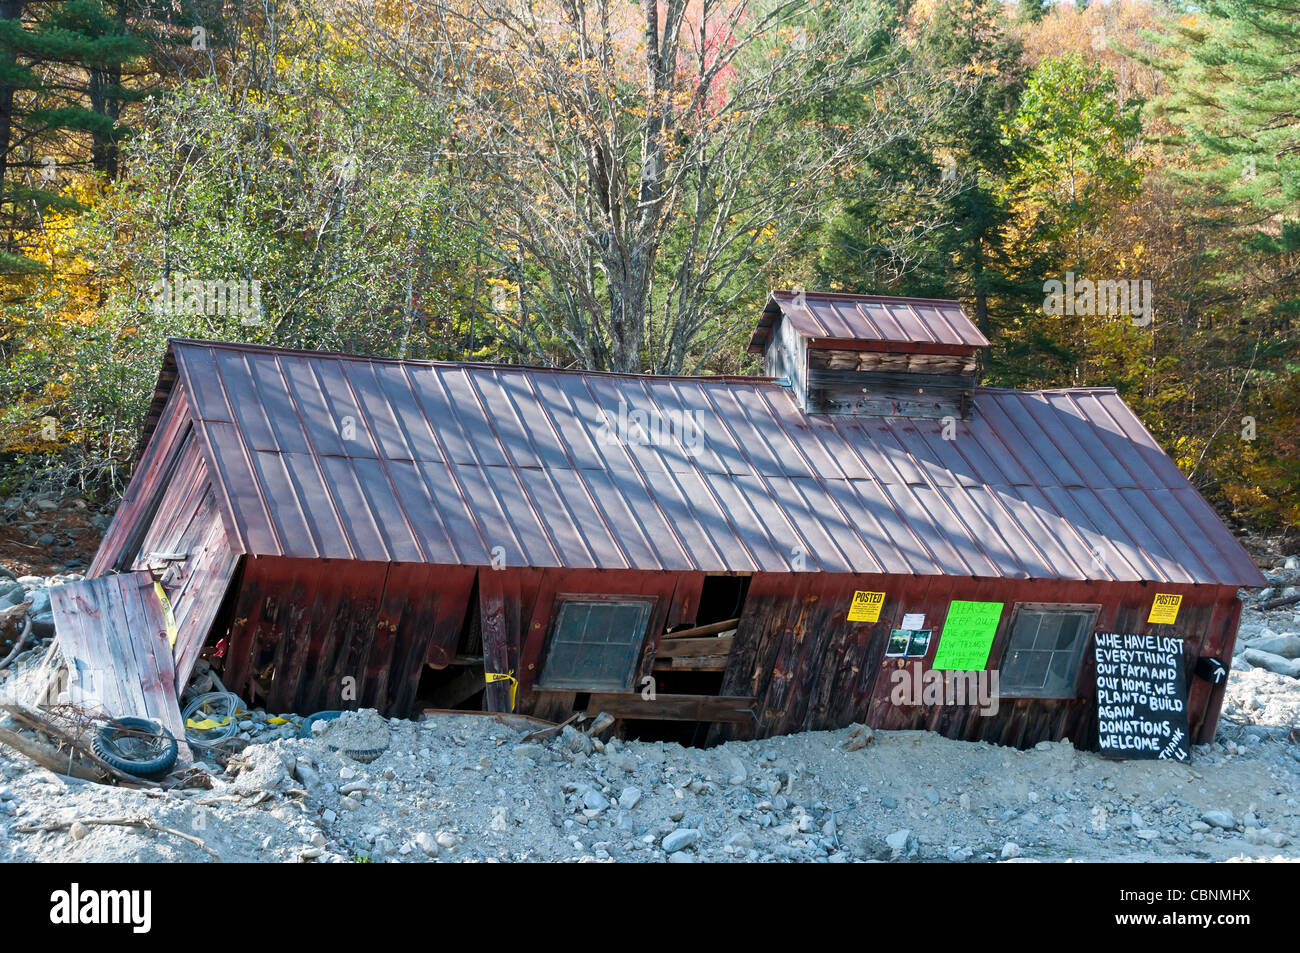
168	617
509	676
207	724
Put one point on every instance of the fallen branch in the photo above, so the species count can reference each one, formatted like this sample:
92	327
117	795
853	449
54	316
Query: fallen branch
18	646
116	822
47	756
70	739
1277	603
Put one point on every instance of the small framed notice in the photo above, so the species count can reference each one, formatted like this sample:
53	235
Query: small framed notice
914	620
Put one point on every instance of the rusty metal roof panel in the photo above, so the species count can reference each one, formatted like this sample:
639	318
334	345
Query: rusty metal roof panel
832	316
331	456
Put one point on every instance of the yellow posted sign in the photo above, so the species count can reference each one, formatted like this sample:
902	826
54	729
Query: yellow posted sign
1164	610
866	606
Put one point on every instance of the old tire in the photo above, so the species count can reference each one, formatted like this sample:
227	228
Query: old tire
137	746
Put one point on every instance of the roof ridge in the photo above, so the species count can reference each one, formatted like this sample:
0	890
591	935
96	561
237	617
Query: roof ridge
471	365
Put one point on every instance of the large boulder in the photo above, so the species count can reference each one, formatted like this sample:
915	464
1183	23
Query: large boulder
1273	663
1286	645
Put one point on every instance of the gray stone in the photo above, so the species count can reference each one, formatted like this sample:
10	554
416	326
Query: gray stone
594	800
1273	663
680	839
889	801
630	798
1010	850
1223	819
425	841
1286	645
898	840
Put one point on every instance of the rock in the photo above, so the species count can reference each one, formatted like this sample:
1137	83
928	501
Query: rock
1223	819
310	853
737	773
31	582
858	738
1200	827
630	798
425	841
529	751
446	839
1010	850
594	800
1287	645
898	840
932	796
43	625
1273	663
680	839
78	830
889	801
1263	837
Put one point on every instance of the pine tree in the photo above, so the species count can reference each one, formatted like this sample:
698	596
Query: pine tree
959	251
60	99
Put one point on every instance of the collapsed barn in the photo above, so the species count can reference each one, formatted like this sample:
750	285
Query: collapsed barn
732	556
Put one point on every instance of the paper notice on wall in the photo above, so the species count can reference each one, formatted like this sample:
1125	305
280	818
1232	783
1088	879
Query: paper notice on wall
865	606
1164	608
914	620
967	636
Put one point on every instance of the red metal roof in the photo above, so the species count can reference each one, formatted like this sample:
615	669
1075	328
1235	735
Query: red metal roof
327	455
846	317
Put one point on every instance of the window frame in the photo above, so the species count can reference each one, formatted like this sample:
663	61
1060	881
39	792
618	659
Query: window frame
1063	608
572	685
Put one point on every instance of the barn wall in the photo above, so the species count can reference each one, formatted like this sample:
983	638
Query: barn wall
310	635
811	669
149	478
302	626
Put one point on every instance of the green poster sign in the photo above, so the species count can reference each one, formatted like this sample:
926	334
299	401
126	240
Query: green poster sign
967	636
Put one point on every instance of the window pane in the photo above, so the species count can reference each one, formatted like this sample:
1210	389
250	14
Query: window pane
595	645
1043	653
1049	628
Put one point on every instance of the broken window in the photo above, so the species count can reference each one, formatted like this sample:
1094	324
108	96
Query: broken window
1043	654
595	644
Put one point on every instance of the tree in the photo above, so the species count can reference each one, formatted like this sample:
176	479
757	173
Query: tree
60	76
596	134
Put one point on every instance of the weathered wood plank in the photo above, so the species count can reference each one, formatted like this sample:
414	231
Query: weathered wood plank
724	708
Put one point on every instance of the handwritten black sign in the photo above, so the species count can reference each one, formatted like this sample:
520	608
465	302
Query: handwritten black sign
1141	697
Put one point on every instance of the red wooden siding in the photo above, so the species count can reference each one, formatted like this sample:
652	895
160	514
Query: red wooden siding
310	635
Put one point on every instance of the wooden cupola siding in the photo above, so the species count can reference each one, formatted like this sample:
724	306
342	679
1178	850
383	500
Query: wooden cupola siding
872	356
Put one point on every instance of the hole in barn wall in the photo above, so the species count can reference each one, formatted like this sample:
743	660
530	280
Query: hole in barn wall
458	686
721	598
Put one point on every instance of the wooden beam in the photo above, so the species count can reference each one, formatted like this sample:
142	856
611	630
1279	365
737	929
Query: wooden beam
726	708
686	648
713	628
710	663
